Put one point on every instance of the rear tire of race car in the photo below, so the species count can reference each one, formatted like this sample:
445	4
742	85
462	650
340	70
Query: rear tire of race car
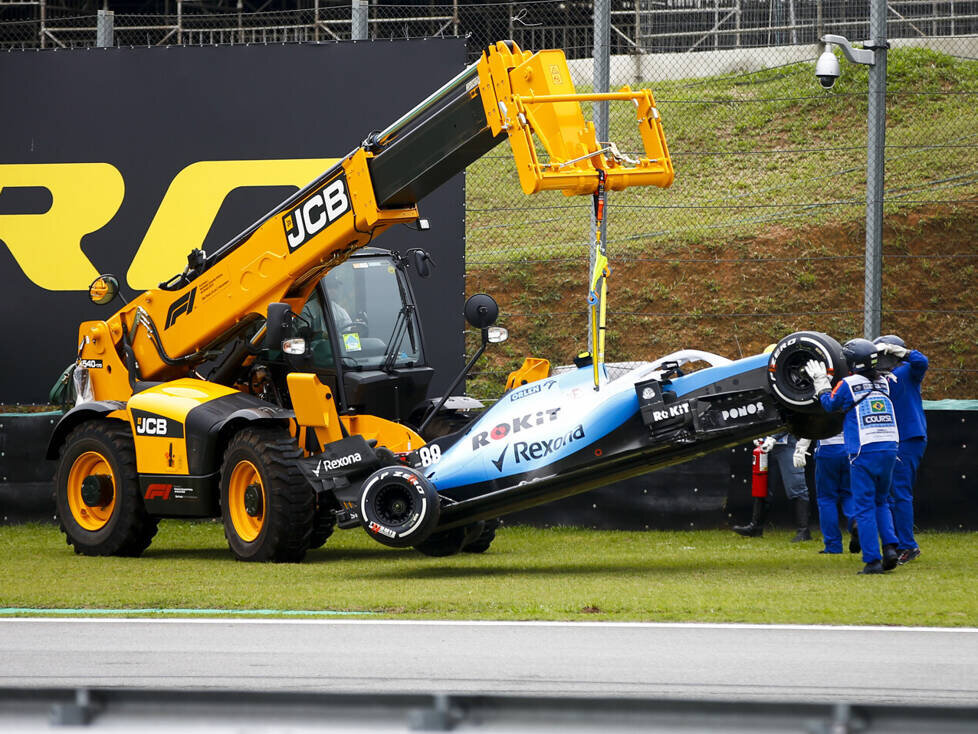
399	507
789	384
481	544
451	542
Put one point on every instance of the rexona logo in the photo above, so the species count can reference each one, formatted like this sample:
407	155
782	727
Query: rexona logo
334	464
320	209
523	423
743	411
150	424
524	451
184	304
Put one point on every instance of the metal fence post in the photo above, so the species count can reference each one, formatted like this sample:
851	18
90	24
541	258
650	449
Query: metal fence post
358	29
105	28
601	81
875	166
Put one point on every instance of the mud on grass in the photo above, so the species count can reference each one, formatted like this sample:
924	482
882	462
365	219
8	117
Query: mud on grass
527	574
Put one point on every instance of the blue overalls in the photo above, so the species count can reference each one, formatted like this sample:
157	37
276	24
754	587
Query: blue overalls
912	423
872	441
832	485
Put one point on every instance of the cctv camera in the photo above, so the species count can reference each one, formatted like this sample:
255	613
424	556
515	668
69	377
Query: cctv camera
827	69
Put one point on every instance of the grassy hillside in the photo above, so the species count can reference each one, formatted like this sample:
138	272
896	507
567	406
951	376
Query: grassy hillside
763	231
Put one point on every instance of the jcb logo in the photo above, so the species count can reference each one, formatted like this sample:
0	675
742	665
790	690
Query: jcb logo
148	424
151	426
320	209
87	196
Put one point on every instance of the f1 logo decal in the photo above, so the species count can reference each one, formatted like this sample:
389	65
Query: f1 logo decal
184	304
158	491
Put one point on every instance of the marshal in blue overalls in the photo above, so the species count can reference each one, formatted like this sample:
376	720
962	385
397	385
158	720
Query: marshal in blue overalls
906	375
872	442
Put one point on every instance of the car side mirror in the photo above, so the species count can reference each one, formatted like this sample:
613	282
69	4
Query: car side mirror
277	323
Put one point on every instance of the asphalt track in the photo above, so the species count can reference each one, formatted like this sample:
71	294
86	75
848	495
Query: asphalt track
921	666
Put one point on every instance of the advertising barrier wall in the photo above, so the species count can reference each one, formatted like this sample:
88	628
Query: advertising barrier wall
122	160
710	492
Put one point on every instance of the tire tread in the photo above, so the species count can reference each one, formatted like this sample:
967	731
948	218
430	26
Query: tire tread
290	502
134	529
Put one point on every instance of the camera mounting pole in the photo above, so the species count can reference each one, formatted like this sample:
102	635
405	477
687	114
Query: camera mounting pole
873	54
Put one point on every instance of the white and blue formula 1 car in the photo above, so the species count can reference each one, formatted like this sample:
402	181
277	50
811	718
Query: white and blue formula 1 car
559	436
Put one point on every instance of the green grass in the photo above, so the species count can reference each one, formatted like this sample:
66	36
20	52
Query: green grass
557	574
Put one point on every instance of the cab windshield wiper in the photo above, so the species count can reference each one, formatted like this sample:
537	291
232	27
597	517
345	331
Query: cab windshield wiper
400	328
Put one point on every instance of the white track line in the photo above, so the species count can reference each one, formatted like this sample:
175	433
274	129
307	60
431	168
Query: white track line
484	623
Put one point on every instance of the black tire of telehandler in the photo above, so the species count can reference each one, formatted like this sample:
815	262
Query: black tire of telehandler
481	544
789	384
264	457
119	524
399	507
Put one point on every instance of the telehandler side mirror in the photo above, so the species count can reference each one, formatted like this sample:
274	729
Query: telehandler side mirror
421	259
277	323
481	311
103	289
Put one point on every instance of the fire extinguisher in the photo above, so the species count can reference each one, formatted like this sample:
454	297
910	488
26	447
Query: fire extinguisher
758	479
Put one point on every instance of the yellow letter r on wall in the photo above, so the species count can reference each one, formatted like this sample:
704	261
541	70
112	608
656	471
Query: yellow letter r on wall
85	196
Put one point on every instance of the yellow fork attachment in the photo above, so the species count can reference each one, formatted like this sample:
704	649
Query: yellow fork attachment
531	95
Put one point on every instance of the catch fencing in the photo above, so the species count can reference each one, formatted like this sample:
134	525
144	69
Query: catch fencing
763	231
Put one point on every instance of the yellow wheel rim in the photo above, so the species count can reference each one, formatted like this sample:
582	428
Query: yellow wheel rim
248	527
91	463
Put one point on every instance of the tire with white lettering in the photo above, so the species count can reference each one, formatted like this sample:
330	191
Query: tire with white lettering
267	507
398	506
100	507
789	384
